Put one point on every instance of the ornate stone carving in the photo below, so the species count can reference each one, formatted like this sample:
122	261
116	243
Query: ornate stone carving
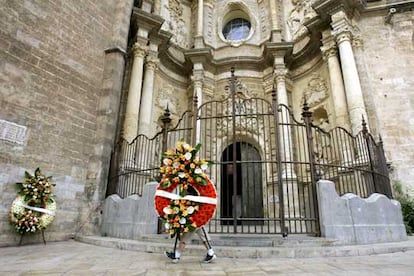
167	96
264	15
151	62
357	42
280	74
329	51
343	36
302	12
139	50
210	22
175	23
317	90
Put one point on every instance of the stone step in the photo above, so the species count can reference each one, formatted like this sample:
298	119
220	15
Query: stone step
245	249
250	240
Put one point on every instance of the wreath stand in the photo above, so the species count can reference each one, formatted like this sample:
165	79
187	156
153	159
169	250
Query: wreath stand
43	237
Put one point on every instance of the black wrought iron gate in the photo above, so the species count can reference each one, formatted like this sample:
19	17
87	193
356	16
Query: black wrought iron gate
266	164
242	135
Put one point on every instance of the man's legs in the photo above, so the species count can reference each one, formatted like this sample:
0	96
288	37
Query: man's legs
185	238
205	237
176	254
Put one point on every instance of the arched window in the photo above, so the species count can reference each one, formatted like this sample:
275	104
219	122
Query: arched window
237	29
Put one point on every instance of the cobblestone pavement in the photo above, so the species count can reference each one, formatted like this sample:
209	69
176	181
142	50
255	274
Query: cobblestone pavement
76	258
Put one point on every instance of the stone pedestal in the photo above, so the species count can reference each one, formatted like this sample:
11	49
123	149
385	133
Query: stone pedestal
132	217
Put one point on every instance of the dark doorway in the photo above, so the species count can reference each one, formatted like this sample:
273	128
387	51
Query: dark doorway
241	185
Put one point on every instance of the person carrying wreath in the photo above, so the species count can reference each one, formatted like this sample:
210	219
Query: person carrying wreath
186	199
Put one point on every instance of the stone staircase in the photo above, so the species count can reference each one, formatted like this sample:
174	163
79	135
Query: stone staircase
254	246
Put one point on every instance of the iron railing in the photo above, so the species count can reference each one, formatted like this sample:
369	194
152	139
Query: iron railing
266	163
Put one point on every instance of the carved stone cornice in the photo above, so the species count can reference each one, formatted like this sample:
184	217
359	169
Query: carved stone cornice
326	8
150	22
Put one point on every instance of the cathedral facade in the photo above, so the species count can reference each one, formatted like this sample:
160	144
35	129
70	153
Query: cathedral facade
77	79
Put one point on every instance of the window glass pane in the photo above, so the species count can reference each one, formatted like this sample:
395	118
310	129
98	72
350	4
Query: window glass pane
237	29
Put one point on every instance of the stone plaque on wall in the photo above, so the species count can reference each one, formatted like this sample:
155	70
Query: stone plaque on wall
12	132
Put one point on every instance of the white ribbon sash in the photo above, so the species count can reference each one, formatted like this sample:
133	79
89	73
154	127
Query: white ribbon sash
37	209
200	199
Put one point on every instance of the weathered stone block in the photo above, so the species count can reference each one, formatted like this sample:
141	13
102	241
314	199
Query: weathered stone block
131	217
351	219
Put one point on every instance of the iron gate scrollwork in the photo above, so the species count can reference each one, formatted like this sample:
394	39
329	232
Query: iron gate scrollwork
266	163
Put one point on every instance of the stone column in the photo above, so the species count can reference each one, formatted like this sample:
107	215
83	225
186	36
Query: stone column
130	130
198	77
330	55
198	39
145	113
356	107
290	184
285	135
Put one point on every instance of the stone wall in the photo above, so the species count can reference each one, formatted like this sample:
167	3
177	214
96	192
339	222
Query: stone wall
386	66
59	90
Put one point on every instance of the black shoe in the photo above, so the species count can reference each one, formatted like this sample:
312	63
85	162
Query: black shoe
208	259
171	256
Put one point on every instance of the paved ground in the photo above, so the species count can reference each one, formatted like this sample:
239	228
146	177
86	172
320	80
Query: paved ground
76	258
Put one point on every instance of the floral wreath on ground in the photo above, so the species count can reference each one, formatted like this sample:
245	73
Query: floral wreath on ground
195	203
34	208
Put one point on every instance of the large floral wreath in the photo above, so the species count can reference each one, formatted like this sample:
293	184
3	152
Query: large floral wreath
195	203
34	208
